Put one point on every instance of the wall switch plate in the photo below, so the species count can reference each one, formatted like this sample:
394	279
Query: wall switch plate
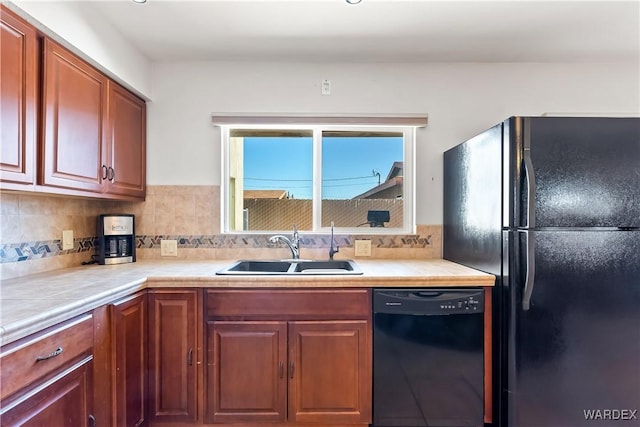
362	248
168	248
67	240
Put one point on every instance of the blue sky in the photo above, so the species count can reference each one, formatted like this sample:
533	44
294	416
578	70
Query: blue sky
348	164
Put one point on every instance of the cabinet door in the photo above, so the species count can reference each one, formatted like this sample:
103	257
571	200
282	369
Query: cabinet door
172	352
127	142
130	352
330	372
246	371
65	401
17	98
75	102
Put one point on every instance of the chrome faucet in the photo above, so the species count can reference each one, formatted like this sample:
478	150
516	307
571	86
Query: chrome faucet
293	243
332	250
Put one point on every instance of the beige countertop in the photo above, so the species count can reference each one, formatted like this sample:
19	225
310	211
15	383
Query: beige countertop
32	303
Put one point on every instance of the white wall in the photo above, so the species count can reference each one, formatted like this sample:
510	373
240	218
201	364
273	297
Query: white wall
91	37
461	100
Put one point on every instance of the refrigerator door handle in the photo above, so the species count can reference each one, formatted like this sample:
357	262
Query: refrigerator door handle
530	275
531	184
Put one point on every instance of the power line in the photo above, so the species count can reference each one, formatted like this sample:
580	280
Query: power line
307	180
255	187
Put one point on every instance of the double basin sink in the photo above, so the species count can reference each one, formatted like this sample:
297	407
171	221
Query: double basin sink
291	267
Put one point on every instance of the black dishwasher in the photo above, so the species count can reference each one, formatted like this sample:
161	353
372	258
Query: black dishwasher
428	359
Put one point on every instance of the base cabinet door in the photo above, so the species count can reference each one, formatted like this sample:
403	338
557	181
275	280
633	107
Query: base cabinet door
247	377
129	319
330	372
66	400
282	357
172	355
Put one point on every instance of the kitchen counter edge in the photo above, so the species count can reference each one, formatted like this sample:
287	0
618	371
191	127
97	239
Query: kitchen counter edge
32	303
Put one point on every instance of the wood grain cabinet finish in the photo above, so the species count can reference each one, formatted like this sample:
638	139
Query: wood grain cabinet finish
329	372
173	352
74	114
129	328
290	357
65	401
126	150
247	371
47	378
18	102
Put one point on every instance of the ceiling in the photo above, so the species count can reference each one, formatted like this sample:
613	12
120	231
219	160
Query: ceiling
378	30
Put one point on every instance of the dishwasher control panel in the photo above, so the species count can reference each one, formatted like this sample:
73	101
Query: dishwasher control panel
428	301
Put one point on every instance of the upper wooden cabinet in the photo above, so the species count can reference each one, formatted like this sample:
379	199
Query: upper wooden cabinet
73	120
94	130
18	102
126	148
66	127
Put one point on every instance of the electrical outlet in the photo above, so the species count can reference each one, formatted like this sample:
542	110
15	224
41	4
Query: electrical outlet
168	248
362	248
67	239
326	87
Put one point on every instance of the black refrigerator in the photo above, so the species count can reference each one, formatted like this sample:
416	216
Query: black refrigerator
551	207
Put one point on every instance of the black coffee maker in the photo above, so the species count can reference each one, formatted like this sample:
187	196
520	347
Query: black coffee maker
116	239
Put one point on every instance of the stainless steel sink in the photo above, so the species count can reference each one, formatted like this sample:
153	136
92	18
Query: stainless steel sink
291	267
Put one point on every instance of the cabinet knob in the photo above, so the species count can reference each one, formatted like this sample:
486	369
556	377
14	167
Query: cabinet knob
190	357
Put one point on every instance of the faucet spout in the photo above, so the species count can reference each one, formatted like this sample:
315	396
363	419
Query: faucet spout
332	250
293	243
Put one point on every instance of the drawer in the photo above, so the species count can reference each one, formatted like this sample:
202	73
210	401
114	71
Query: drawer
282	303
36	356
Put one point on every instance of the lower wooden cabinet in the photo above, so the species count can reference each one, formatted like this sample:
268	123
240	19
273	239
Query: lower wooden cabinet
247	372
47	378
64	401
129	328
277	357
173	353
329	372
289	357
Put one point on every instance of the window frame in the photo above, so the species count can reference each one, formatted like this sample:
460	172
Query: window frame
409	192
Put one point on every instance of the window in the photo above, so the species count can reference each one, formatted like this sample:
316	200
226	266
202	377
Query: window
360	178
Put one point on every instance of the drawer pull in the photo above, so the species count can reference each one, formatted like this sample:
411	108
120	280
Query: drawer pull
190	357
57	352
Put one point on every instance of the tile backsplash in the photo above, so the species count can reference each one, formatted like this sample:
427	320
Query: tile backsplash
31	227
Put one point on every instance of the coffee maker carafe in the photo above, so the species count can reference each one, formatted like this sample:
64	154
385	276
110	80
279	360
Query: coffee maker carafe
116	239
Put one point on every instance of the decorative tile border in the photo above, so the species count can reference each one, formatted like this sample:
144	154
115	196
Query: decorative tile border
16	252
255	241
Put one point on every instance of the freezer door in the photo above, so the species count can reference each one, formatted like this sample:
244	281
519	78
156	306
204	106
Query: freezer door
581	172
574	354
